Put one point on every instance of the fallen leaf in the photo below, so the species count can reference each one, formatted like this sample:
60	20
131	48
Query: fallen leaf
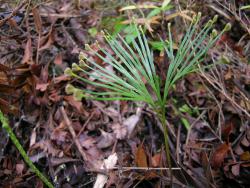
106	140
156	160
58	59
236	169
219	155
59	135
42	87
141	158
108	163
245	156
27	58
120	131
47	41
19	168
37	19
132	121
86	141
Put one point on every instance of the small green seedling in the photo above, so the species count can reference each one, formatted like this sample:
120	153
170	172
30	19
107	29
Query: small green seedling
135	77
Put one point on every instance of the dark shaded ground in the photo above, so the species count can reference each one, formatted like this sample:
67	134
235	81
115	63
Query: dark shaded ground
208	113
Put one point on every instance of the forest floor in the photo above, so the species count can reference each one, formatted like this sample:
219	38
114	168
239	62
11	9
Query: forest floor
208	112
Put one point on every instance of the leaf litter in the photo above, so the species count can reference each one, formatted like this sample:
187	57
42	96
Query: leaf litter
40	41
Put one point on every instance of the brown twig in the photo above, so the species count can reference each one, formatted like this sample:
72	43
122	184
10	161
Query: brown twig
14	12
72	132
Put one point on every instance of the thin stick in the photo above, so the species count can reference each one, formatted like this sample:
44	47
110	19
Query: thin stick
19	147
142	168
72	132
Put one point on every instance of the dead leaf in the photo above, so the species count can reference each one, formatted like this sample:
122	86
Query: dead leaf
59	135
48	147
141	158
245	156
236	170
156	160
19	168
132	121
108	163
219	154
42	87
47	41
27	58
76	104
37	20
86	141
61	78
119	131
107	139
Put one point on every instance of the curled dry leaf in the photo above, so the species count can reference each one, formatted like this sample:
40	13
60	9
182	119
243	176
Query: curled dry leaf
108	163
106	140
132	121
42	87
219	155
59	135
27	58
48	147
120	131
156	160
86	141
19	168
141	157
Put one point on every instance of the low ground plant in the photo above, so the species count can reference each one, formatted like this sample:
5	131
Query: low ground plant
134	76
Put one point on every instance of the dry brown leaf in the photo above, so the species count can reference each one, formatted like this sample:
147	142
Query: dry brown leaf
245	156
156	160
106	140
108	163
141	158
27	58
119	131
37	20
59	135
47	41
132	121
48	147
86	141
236	170
219	154
19	168
76	104
42	87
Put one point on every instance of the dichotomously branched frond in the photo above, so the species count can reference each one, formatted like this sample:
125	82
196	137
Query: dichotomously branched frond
134	76
133	65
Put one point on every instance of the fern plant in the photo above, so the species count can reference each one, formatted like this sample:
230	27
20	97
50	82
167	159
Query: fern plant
133	65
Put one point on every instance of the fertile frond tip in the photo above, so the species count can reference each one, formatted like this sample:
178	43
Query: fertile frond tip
214	33
68	72
215	18
69	89
75	67
78	95
196	18
81	56
87	47
227	27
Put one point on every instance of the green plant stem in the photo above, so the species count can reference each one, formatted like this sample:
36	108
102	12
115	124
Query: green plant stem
162	117
26	158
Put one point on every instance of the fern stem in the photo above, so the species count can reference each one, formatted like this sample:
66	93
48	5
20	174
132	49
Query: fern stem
26	158
162	117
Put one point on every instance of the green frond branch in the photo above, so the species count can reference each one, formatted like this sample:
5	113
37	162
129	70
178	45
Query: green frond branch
134	75
26	158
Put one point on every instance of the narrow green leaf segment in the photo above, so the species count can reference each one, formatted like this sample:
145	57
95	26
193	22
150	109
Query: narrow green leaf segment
26	158
134	76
